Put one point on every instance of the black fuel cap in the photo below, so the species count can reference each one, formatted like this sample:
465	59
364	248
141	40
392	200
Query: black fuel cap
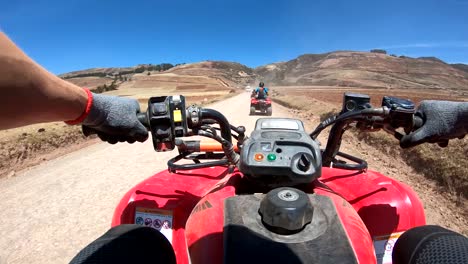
286	210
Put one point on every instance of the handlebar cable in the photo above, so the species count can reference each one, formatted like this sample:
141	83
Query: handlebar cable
349	115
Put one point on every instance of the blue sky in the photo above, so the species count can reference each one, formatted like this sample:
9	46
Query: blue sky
69	35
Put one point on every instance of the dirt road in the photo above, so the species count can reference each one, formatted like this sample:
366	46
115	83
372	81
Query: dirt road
53	210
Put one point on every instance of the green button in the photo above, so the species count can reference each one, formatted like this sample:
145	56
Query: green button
271	157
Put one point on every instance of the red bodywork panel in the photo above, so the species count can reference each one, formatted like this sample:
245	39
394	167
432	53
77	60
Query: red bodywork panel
254	101
384	204
368	204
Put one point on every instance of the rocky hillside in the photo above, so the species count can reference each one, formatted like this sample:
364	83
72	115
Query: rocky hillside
97	72
340	68
228	74
460	66
365	69
116	71
232	73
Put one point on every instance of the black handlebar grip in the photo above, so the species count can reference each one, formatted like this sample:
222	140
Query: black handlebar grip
417	122
87	131
142	117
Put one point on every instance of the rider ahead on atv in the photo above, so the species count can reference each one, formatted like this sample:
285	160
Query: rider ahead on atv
261	92
260	101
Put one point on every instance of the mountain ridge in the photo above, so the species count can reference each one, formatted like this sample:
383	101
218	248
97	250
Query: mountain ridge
337	68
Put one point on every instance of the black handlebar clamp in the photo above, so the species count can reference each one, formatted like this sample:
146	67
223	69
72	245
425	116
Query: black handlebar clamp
167	120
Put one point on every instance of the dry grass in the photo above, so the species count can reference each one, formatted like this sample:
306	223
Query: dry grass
22	147
448	166
90	82
332	95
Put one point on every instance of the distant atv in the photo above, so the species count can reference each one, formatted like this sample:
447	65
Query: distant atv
262	105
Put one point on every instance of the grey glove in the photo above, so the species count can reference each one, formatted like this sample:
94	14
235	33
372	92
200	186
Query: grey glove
114	119
443	120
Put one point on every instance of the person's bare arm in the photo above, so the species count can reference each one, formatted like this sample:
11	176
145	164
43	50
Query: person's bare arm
30	94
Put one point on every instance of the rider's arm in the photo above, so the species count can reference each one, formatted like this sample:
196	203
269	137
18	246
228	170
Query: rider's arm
30	94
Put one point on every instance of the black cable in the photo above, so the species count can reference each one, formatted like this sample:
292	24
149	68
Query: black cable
172	166
348	115
211	129
359	165
220	119
233	128
209	135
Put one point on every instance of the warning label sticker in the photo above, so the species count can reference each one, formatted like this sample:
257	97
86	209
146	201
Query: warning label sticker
384	247
161	220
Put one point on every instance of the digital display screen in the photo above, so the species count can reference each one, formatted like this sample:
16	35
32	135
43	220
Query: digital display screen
280	124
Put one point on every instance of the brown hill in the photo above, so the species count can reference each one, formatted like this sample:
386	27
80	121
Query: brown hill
91	82
340	68
97	72
226	74
171	81
232	74
460	66
92	78
364	69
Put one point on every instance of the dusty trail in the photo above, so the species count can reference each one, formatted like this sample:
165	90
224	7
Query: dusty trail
53	210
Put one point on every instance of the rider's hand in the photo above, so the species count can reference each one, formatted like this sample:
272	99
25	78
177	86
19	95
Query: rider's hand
114	119
443	120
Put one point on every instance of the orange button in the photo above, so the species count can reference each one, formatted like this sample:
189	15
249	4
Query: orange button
258	157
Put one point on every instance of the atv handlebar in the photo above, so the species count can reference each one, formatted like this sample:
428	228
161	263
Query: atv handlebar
372	119
418	122
167	119
143	119
395	113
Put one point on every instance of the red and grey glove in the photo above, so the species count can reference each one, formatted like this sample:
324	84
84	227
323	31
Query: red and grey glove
113	118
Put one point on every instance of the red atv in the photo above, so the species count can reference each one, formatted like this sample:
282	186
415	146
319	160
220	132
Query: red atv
263	105
273	197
